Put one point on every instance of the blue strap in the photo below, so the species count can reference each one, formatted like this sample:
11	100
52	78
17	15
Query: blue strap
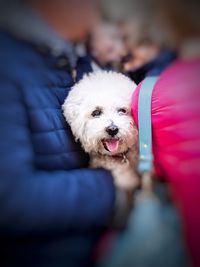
145	130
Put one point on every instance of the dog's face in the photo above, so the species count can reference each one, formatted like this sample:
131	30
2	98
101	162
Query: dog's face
109	129
98	111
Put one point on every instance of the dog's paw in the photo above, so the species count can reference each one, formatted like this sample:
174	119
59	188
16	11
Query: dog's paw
125	179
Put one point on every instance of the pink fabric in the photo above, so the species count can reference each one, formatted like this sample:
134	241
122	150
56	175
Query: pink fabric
176	141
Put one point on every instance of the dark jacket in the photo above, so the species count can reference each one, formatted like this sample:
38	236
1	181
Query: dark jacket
154	67
52	206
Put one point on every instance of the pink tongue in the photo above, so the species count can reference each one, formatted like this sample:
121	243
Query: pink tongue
112	145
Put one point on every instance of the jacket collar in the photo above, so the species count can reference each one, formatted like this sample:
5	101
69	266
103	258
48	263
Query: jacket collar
25	24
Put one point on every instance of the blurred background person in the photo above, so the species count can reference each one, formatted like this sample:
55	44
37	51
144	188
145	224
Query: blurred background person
106	46
147	56
52	207
104	49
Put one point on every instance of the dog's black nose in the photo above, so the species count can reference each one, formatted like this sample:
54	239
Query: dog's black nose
112	130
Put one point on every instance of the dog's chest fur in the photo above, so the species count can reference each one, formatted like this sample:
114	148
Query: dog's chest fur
123	167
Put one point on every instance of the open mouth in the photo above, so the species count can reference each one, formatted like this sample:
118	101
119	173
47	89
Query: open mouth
111	145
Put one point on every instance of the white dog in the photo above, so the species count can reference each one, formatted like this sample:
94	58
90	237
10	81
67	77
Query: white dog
98	109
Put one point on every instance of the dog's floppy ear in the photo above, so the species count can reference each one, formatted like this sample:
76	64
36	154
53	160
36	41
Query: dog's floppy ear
72	112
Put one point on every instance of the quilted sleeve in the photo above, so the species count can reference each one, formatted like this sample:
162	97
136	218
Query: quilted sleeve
33	201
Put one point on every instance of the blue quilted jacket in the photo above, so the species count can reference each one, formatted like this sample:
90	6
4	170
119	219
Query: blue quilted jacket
52	207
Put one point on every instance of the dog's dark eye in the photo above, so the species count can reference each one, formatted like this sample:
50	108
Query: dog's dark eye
122	111
96	113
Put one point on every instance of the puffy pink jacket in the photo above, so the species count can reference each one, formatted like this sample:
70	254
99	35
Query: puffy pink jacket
176	141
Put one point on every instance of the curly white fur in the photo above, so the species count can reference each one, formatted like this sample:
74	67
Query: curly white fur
99	101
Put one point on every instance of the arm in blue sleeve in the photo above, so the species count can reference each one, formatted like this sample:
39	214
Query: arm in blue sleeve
34	201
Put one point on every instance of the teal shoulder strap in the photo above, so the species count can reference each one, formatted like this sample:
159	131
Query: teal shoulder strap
144	122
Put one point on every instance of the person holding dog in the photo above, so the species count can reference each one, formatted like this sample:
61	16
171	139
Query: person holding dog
52	206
